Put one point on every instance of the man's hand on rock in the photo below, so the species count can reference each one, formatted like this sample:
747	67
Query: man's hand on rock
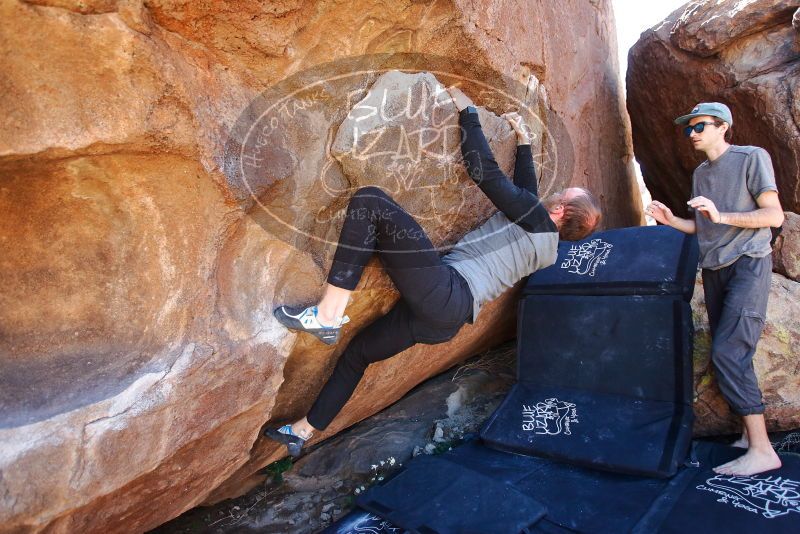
460	100
518	124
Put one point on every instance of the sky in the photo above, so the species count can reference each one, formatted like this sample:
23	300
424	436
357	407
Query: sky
632	18
635	16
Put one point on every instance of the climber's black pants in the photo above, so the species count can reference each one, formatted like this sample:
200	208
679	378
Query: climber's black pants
435	300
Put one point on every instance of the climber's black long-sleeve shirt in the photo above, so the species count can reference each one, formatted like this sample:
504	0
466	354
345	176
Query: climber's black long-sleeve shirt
518	200
514	242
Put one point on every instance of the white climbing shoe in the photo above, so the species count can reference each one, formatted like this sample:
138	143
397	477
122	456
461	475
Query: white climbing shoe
305	320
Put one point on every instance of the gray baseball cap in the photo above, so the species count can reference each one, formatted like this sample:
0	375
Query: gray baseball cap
713	109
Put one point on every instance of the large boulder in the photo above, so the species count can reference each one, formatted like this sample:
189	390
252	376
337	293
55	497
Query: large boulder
775	364
138	354
786	250
741	53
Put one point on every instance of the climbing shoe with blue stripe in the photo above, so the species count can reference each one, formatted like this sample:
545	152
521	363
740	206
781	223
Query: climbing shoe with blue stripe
294	443
305	320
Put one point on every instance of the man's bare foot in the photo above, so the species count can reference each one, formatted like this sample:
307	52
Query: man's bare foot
742	442
754	461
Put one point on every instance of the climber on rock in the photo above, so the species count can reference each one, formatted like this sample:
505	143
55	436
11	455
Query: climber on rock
735	202
438	294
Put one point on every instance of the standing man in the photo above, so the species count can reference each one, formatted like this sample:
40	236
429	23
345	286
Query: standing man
735	202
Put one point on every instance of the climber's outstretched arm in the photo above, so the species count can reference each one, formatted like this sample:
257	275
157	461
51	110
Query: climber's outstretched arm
518	203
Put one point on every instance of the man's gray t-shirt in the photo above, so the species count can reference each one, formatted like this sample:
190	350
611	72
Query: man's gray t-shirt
497	254
733	182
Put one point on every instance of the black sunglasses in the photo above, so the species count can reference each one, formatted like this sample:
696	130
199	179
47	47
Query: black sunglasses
699	127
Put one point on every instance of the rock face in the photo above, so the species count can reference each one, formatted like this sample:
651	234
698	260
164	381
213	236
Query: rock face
775	364
138	355
742	53
318	488
786	251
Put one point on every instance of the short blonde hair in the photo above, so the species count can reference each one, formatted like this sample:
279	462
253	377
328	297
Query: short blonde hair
582	216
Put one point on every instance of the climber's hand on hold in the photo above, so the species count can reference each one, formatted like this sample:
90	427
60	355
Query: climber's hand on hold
520	128
460	100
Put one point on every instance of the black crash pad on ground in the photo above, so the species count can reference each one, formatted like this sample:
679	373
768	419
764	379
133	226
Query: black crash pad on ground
435	496
577	499
609	432
642	260
699	500
604	355
585	500
626	345
604	382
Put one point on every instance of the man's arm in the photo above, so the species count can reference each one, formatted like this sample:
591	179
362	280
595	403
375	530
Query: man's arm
524	170
518	204
769	212
761	185
661	213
